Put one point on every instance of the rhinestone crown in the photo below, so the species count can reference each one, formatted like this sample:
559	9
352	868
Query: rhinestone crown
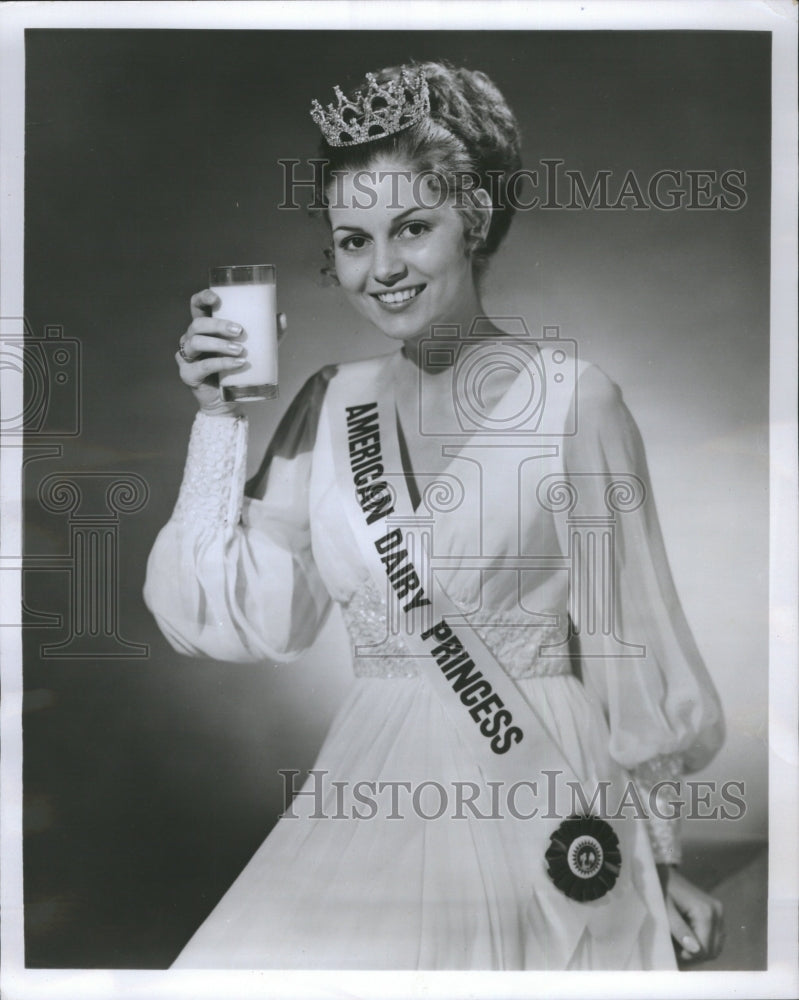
378	110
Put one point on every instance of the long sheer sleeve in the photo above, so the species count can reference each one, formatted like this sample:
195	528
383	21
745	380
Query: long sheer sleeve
637	651
232	575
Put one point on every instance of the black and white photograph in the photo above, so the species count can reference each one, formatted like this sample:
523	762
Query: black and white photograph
399	486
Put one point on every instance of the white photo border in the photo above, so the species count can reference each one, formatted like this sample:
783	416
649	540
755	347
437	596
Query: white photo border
775	16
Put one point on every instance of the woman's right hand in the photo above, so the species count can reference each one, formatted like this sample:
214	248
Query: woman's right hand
208	348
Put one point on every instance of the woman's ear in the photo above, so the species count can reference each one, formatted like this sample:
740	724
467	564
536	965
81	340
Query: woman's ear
481	210
484	198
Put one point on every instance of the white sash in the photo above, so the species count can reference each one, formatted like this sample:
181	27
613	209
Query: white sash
501	729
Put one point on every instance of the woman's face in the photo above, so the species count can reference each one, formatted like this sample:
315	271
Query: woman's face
400	256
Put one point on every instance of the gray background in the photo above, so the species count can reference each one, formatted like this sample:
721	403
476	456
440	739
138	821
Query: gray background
152	155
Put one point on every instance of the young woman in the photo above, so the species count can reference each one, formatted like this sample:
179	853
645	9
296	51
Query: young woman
493	794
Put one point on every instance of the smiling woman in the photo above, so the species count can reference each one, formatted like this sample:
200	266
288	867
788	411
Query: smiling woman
495	649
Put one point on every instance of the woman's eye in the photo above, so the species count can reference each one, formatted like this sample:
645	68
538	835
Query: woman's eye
353	243
415	228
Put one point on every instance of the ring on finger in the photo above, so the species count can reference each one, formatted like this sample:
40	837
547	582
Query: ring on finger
182	353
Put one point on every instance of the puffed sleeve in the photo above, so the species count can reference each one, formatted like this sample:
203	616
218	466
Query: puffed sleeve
231	575
663	711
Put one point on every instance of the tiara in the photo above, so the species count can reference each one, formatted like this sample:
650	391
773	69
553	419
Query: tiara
374	112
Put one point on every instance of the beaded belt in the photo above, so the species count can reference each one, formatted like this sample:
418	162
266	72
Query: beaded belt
515	645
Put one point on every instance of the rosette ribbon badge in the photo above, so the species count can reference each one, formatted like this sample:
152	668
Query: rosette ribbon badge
583	858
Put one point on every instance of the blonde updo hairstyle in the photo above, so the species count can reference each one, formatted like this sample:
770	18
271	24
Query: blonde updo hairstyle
470	139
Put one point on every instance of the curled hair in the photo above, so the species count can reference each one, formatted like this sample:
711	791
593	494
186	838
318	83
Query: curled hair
470	139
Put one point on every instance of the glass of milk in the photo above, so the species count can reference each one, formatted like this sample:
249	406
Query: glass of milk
247	294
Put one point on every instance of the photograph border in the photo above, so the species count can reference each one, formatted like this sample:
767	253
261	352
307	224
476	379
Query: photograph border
782	977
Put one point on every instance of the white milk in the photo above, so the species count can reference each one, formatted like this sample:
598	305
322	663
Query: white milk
253	307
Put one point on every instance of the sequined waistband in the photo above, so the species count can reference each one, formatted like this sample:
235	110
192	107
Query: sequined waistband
517	646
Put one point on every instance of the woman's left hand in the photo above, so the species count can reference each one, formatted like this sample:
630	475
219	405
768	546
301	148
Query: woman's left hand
695	918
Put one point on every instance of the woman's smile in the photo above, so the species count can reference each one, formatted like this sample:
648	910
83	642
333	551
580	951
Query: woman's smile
400	298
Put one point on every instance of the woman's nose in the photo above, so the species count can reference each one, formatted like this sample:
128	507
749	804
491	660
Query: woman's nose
388	266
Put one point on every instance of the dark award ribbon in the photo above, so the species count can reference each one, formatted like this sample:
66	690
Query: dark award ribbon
583	858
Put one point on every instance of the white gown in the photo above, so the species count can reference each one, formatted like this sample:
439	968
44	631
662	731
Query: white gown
253	578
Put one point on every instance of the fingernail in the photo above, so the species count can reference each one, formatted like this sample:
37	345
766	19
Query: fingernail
689	943
235	348
208	295
234	362
233	328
